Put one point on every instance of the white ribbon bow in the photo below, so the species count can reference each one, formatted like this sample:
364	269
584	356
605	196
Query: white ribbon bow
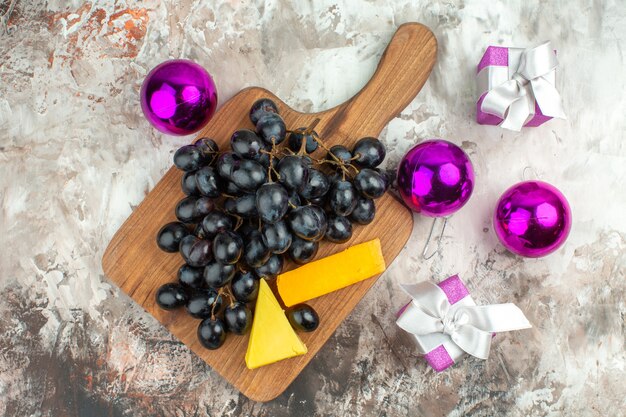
432	318
514	100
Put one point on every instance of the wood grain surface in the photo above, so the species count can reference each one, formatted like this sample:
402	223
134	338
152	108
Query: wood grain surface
134	262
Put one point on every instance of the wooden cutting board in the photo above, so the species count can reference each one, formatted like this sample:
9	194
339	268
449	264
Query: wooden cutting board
134	262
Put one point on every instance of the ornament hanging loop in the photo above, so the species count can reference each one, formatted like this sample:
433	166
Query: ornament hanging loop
425	253
528	172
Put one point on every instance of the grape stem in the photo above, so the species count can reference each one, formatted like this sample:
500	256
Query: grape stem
220	292
239	222
335	160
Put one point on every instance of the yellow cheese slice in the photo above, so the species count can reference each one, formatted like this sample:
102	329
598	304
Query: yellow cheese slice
272	338
329	274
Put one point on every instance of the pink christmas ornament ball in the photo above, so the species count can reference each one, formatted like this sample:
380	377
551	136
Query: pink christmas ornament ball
532	219
178	97
435	178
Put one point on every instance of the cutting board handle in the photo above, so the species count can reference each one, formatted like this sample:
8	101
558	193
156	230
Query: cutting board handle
401	73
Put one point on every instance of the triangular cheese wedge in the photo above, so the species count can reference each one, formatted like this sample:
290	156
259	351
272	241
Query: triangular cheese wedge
272	338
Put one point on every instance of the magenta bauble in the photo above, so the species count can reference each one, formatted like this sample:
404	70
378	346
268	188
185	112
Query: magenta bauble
435	178
178	97
532	219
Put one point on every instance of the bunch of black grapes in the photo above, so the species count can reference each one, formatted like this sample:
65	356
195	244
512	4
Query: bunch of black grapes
249	206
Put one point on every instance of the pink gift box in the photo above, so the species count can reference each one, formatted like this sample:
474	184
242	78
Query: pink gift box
443	357
489	75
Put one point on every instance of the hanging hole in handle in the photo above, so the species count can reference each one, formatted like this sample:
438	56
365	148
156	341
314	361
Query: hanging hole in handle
425	254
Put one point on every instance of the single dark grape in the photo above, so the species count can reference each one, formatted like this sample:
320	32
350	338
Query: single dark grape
226	163
308	222
272	202
293	173
216	222
271	128
188	183
186	209
364	211
208	182
260	107
340	152
188	158
190	276
171	296
217	275
248	175
244	206
271	268
369	183
297	136
276	236
208	149
245	286
196	252
316	186
247	144
170	235
203	206
202	303
255	252
227	247
302	317
339	229
302	251
369	152
212	333
342	197
238	318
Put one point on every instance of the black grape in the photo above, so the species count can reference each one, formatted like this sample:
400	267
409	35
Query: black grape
342	197
260	107
245	286
276	236
271	268
272	202
302	251
238	318
364	211
370	183
216	222
271	128
217	275
188	183
255	252
212	333
171	296
227	247
188	158
369	152
202	303
308	222
244	206
191	276
339	229
208	182
170	235
293	173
